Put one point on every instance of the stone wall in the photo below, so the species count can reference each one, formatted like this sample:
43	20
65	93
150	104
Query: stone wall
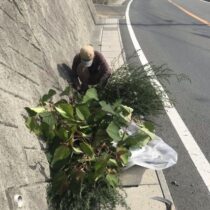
105	1
36	36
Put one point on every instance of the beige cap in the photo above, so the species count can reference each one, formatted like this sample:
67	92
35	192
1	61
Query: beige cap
87	53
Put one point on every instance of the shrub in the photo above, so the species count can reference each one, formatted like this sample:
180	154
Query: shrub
132	85
88	142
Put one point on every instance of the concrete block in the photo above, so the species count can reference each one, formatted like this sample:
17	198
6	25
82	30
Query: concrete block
111	54
14	173
149	177
107	34
138	175
140	198
132	176
13	161
27	89
22	165
112	21
3	199
12	105
38	166
33	197
109	47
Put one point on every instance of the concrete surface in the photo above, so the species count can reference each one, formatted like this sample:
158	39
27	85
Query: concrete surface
116	10
109	2
35	37
140	198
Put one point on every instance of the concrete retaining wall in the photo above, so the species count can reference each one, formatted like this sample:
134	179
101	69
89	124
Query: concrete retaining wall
105	1
35	37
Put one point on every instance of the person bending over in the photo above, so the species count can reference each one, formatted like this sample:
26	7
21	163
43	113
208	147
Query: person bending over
89	68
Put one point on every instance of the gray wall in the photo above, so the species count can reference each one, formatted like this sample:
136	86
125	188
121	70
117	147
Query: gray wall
104	1
35	36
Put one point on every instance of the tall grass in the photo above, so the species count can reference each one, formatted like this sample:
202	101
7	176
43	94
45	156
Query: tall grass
131	83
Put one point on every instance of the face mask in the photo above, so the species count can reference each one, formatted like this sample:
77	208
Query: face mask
87	63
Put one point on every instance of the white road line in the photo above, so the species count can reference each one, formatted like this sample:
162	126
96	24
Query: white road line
198	158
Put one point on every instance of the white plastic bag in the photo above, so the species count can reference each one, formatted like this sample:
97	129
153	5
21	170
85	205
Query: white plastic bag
155	155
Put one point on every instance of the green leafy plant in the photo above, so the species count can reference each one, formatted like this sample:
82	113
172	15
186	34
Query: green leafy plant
132	85
88	143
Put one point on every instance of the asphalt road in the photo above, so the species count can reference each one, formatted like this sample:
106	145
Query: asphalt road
169	36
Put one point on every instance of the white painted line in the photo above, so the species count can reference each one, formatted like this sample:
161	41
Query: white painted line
198	158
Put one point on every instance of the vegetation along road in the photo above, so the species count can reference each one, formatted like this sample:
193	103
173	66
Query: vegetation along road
177	33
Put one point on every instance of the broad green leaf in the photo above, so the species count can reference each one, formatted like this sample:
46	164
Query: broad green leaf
137	140
85	131
77	150
72	129
127	110
150	126
48	131
125	114
32	124
39	109
76	181
123	154
30	112
101	165
99	115
102	162
113	131
112	162
112	180
62	101
62	134
61	153
117	104
87	149
106	107
65	110
101	134
124	158
48	96
48	118
147	131
60	182
91	94
124	119
82	111
66	91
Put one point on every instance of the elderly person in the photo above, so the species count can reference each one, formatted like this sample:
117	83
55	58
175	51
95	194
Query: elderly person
89	68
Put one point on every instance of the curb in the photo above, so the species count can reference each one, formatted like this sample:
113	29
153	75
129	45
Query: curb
121	43
164	188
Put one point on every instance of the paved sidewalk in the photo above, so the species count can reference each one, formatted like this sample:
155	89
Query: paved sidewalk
153	183
111	44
